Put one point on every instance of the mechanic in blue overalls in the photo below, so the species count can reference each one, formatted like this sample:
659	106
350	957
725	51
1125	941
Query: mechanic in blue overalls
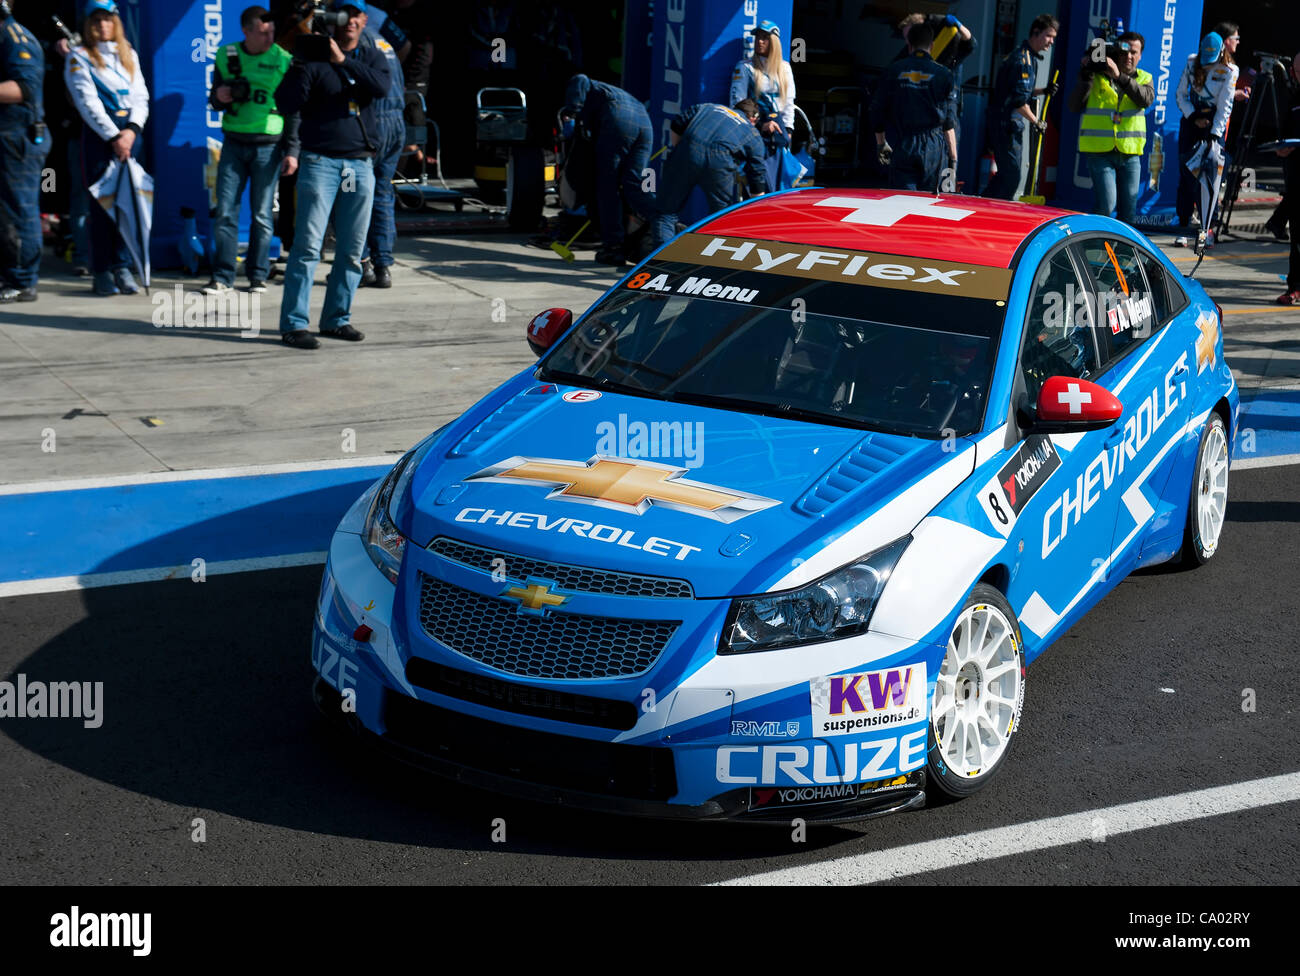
382	32
915	108
24	143
1009	110
618	127
712	143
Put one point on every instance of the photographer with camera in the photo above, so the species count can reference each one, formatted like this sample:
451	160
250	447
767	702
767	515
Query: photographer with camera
1112	96
258	144
24	141
333	84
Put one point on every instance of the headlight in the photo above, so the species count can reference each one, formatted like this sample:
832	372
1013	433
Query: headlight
384	544
838	605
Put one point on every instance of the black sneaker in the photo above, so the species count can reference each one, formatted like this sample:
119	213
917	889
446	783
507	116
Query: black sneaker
611	255
367	274
8	295
1277	228
347	332
383	277
300	339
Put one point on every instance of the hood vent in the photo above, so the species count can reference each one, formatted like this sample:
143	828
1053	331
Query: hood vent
499	419
873	454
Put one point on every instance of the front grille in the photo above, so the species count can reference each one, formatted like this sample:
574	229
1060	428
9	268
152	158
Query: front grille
555	645
575	579
562	706
561	761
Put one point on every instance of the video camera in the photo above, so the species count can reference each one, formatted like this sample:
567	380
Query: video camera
316	46
1106	45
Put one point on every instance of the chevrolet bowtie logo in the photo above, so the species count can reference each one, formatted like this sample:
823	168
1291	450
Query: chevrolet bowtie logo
535	596
1208	323
916	77
627	486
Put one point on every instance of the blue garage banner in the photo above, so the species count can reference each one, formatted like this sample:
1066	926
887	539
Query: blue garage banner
1172	29
696	44
178	44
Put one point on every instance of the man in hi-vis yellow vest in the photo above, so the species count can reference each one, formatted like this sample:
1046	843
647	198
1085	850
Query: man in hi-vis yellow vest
1112	96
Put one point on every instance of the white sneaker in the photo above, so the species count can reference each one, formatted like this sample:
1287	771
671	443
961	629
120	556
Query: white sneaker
216	288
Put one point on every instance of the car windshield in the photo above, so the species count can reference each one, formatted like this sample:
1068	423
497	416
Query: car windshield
855	355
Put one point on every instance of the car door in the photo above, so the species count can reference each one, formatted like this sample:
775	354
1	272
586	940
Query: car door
1147	370
1047	496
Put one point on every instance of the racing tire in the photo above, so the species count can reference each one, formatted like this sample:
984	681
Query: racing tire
1207	503
525	189
978	696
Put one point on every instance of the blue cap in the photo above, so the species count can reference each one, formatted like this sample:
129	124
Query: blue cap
340	4
100	7
767	27
1211	48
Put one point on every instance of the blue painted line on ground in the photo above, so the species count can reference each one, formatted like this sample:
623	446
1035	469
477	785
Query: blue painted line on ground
1274	418
147	526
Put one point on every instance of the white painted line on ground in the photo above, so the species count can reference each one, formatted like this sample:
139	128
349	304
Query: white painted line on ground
56	584
984	845
204	474
1265	462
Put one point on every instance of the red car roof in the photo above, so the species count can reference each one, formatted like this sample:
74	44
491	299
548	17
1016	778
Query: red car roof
950	227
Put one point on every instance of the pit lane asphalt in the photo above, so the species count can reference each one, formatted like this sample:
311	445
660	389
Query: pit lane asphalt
208	715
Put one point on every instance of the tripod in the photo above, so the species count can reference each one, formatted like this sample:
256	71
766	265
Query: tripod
1266	87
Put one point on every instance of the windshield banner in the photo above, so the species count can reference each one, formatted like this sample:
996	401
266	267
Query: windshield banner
854	267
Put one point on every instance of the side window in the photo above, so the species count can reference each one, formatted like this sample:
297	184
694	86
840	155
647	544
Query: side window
1125	309
1167	295
1058	337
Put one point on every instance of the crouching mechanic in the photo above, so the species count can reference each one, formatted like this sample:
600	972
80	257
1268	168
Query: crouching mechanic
24	142
712	143
915	108
618	128
339	135
258	144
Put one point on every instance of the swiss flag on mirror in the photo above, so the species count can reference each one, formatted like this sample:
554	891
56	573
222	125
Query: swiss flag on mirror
1065	399
548	326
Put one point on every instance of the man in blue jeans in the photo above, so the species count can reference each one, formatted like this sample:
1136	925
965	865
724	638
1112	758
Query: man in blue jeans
339	134
259	144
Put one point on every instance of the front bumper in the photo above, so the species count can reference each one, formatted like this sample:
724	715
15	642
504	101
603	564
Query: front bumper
728	738
480	754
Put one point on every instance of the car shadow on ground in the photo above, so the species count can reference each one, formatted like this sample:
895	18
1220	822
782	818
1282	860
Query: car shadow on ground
207	705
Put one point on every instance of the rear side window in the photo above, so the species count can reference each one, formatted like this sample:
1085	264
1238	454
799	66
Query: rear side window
1166	294
1125	308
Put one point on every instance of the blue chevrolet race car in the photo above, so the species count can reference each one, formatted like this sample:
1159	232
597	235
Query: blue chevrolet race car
774	527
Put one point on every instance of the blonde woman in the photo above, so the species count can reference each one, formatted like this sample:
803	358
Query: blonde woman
1205	96
767	79
107	86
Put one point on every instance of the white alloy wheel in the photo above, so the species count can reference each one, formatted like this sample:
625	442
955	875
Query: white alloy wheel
1208	504
978	694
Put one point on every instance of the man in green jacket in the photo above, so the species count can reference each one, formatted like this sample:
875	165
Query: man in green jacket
259	143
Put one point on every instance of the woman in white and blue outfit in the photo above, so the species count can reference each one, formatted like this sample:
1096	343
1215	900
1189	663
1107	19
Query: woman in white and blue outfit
106	83
767	79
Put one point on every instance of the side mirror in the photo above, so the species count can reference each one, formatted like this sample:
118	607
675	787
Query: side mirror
546	327
1066	404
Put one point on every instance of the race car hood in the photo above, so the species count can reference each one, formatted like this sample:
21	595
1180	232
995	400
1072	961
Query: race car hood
733	502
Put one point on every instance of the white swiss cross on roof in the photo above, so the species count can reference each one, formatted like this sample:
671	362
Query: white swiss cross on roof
887	211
